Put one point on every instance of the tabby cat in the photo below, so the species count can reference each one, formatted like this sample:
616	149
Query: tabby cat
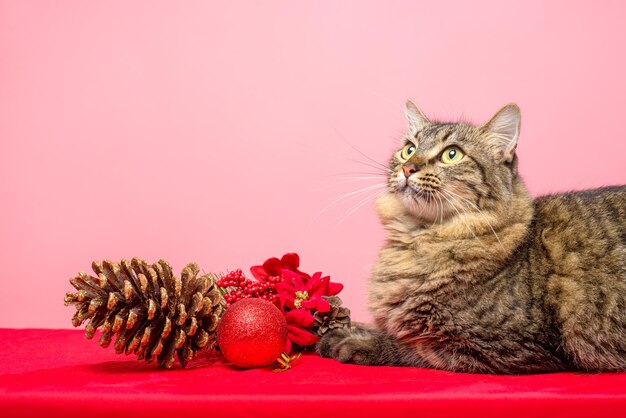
478	277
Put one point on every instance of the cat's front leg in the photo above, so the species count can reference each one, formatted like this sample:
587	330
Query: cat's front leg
355	344
360	344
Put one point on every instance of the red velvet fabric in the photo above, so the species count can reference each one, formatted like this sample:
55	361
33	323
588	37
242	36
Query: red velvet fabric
48	373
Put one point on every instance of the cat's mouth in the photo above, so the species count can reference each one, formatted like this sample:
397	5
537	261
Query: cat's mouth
424	202
419	192
423	196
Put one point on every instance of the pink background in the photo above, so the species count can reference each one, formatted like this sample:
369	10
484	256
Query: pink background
216	132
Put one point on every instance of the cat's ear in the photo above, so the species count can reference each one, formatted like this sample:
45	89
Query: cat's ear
502	131
416	118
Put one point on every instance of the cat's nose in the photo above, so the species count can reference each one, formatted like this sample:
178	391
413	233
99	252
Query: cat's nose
409	169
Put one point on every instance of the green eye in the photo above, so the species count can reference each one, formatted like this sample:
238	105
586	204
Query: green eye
451	155
407	151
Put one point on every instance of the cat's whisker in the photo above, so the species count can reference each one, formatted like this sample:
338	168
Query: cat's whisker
485	217
437	207
376	166
361	174
440	208
357	173
438	201
452	202
346	196
486	220
355	208
352	180
420	194
472	204
356	149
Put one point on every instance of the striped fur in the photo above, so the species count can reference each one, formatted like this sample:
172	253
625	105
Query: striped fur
476	276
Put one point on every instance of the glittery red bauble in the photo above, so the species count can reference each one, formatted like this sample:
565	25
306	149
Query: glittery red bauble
252	333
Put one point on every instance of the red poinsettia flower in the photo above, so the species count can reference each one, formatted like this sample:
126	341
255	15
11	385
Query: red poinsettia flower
274	267
295	293
298	320
299	295
286	289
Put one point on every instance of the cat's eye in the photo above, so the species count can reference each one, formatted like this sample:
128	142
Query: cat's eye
451	155
407	151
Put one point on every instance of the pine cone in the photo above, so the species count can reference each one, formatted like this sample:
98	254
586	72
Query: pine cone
153	313
337	317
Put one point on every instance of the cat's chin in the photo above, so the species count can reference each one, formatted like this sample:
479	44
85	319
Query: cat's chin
422	204
398	204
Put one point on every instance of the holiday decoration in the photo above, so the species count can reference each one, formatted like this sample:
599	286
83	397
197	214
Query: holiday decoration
240	287
337	317
285	362
252	333
300	296
273	267
152	313
255	322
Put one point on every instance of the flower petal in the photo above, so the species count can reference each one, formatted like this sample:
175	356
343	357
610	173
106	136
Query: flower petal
300	317
334	288
322	305
259	273
313	285
290	261
294	279
286	300
273	266
301	336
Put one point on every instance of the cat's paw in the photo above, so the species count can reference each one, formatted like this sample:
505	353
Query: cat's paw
349	346
330	340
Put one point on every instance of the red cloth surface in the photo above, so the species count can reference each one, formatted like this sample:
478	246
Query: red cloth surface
50	373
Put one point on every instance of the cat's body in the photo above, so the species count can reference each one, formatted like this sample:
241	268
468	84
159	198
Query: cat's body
475	276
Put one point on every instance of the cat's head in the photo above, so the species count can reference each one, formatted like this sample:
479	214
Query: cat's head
445	169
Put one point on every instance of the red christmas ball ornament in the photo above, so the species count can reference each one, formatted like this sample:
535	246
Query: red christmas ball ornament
252	333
